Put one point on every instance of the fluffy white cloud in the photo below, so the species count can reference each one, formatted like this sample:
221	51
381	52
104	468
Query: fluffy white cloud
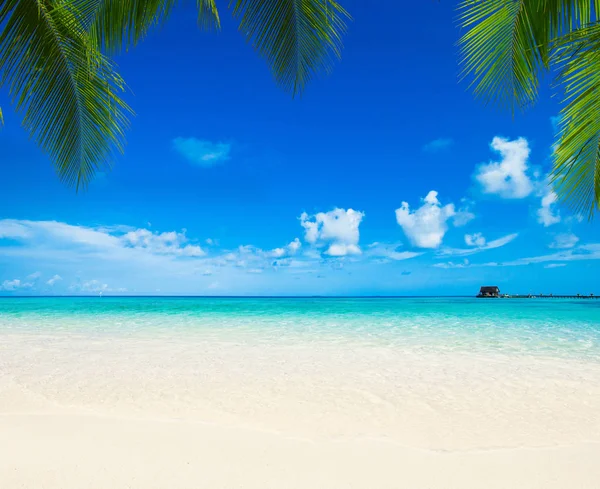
547	214
12	285
168	243
288	250
426	226
343	249
508	177
338	230
476	239
478	244
53	280
564	240
202	152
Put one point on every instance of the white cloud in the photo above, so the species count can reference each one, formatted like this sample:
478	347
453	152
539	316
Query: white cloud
13	229
389	251
579	253
508	177
462	217
119	242
476	239
288	250
12	285
426	226
473	240
168	243
547	214
202	152
53	280
34	276
95	287
564	240
342	249
450	264
337	229
555	265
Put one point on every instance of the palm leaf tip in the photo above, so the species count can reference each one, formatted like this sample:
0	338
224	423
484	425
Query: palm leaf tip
298	38
501	52
576	167
67	90
208	15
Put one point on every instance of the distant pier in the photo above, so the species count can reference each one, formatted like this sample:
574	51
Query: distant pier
493	292
547	296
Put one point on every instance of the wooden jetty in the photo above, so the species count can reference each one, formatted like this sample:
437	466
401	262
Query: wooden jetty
493	292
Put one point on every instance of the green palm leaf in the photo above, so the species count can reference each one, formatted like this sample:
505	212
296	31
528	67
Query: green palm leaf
500	50
508	43
66	89
576	173
208	15
298	38
119	24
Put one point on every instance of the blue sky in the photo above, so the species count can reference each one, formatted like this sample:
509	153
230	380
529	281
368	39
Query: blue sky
385	177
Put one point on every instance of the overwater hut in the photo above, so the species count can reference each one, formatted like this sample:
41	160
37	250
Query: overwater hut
489	291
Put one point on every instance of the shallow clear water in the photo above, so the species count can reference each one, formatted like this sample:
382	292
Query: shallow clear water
552	327
440	373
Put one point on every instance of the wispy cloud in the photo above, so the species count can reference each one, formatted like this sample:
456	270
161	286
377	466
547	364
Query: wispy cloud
450	264
15	284
113	243
564	240
555	265
53	280
201	151
438	145
386	252
478	244
580	253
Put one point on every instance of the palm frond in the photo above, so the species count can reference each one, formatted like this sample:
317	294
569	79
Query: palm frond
118	24
500	51
67	90
298	38
1	117
208	15
576	172
508	43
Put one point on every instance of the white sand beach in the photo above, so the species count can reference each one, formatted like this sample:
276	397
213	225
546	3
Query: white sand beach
200	411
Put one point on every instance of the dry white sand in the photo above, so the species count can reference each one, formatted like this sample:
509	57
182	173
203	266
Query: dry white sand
79	412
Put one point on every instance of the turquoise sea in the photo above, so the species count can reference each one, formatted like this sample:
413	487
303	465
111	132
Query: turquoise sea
434	373
553	327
